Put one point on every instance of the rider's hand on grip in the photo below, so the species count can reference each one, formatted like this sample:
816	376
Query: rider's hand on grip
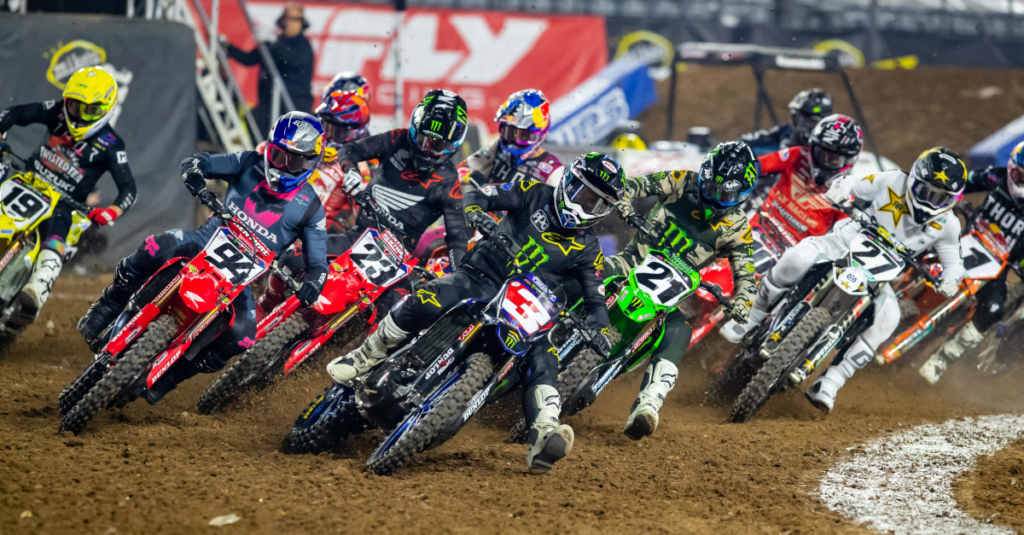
103	216
352	182
948	287
625	209
195	180
481	220
308	293
739	313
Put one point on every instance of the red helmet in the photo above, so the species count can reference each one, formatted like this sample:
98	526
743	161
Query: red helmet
345	116
348	81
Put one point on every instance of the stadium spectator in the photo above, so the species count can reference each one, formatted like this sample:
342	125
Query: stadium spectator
293	56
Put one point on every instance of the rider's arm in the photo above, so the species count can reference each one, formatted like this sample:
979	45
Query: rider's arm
122	175
765	141
314	242
505	197
738	243
225	166
590	273
379	146
986	179
456	230
948	249
26	114
667	185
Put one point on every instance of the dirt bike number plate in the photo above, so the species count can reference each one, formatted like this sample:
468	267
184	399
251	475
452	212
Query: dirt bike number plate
21	203
662	282
376	261
224	256
524	308
979	261
876	260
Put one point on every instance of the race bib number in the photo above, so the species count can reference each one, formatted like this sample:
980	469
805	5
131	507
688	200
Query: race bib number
377	264
662	282
979	261
230	262
880	264
525	308
22	203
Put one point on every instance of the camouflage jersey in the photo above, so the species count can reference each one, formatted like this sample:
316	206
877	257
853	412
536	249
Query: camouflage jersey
679	210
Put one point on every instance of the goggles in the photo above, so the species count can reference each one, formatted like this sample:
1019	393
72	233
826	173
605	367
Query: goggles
521	137
289	162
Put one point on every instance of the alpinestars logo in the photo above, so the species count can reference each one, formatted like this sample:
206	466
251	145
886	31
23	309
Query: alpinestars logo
248	221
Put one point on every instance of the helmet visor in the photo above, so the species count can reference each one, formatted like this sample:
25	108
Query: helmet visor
433	146
729	192
586	200
341	133
1015	175
81	113
289	162
521	137
828	159
932	197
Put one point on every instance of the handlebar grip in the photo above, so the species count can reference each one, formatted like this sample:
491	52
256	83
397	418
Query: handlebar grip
285	276
716	291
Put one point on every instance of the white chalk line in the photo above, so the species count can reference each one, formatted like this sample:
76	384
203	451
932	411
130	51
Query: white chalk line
902	483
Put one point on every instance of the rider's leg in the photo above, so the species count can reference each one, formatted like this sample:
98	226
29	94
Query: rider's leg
991	302
887	315
47	266
132	272
212	358
660	376
412	315
549	439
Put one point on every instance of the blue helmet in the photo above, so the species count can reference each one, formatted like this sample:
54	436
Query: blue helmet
294	148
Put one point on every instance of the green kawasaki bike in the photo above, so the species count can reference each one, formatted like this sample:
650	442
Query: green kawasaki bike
637	307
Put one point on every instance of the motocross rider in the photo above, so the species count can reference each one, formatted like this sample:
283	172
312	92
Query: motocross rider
915	209
268	193
698	216
1002	208
415	184
523	123
805	110
553	227
81	146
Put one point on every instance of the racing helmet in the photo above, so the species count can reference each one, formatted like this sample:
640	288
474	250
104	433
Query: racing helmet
589	190
1015	172
805	110
89	95
835	144
437	129
937	179
348	81
727	177
345	116
294	148
523	123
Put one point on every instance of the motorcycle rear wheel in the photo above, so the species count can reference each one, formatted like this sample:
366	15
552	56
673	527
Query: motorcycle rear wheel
256	368
762	386
429	424
152	342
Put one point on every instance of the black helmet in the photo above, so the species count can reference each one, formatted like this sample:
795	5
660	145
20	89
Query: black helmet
589	189
437	128
835	143
936	181
727	176
805	110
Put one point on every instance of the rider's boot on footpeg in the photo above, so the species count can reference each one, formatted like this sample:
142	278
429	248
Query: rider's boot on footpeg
549	439
375	349
658	381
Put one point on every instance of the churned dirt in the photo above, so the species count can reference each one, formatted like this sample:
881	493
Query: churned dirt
164	469
994	490
908	111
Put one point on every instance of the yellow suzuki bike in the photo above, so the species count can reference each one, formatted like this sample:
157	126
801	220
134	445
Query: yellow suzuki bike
27	201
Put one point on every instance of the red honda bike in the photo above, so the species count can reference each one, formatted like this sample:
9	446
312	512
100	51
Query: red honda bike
181	309
290	334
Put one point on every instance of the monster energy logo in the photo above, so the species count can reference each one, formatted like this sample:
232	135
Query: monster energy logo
673	236
534	253
435	125
460	115
750	174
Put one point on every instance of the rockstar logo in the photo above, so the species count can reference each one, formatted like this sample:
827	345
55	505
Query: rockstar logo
427	297
941	175
897	207
565	243
870	179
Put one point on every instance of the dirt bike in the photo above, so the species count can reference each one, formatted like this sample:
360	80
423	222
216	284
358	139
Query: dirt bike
178	311
27	200
827	309
290	334
638	304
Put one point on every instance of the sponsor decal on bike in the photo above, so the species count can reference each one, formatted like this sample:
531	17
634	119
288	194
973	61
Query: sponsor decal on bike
469	330
440	364
640	341
603	381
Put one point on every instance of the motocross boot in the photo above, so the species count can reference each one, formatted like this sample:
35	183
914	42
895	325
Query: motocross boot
767	294
111	303
823	393
274	296
375	349
966	338
35	292
658	382
549	439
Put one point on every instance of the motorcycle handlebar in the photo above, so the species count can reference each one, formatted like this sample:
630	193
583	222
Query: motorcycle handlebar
716	291
286	276
868	222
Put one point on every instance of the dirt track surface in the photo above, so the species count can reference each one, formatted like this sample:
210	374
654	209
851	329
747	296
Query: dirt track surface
165	470
995	488
908	111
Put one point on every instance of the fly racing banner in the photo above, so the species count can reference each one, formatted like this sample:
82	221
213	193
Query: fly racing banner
154	65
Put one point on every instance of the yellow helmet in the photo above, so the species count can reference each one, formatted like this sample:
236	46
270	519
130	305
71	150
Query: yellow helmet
629	141
89	95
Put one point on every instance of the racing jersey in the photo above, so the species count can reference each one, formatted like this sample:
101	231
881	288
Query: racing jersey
679	210
795	203
1004	215
768	141
559	254
73	167
414	200
498	169
278	219
886	195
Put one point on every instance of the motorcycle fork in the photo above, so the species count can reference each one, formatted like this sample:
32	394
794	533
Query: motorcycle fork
828	340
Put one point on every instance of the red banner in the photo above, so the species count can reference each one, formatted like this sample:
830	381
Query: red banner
483	56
